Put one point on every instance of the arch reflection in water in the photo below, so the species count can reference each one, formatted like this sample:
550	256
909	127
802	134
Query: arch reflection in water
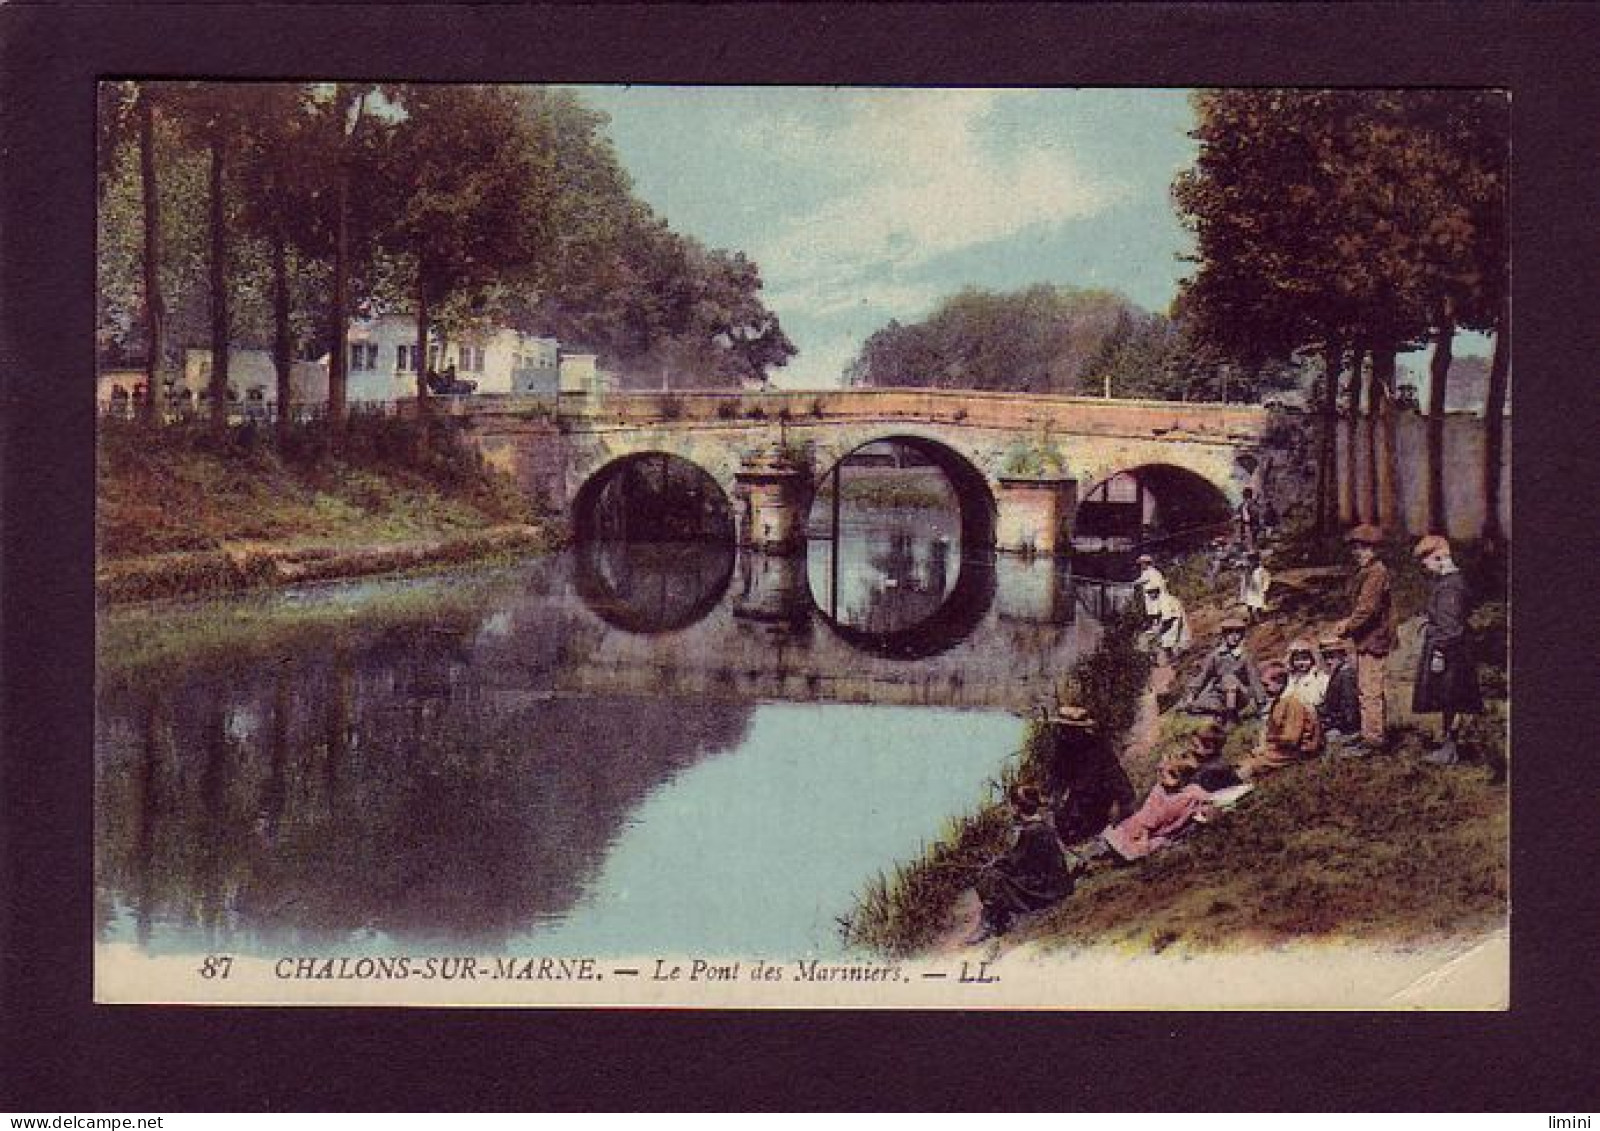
896	561
652	587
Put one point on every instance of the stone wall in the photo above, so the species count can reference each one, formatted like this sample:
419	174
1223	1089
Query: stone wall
1463	473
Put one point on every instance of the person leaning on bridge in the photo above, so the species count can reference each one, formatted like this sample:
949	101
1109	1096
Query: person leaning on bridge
1370	630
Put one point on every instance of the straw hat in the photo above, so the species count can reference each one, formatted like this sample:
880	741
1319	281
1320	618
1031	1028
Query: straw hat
1299	644
1146	559
1233	622
1211	735
1068	715
1366	535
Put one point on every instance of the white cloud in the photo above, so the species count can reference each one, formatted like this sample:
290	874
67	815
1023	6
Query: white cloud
919	178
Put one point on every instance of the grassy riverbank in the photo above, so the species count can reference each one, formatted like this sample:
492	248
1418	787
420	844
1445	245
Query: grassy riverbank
182	512
1386	849
904	910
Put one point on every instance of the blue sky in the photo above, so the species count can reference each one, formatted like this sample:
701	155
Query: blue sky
865	204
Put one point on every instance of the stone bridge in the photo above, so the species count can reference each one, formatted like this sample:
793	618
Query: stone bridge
1020	464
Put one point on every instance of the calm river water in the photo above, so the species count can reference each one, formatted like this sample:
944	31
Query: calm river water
615	750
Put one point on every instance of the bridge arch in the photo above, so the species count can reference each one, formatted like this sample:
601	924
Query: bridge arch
652	495
974	493
1145	497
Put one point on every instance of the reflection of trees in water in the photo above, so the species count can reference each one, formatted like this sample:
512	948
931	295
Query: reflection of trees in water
408	784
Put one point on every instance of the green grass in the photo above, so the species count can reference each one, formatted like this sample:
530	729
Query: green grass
177	489
168	637
1386	849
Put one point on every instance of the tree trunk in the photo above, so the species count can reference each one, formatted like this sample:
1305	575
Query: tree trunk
219	289
1352	440
155	311
339	353
1438	379
424	409
1494	425
1388	479
1369	508
421	361
282	344
1328	463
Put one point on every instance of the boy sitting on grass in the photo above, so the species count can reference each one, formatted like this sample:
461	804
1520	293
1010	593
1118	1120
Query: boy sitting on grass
1291	734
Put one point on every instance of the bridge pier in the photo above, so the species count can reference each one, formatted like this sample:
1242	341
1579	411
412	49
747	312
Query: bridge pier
1031	515
771	494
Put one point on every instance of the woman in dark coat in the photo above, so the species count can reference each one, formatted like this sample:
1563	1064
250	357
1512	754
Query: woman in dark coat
1447	676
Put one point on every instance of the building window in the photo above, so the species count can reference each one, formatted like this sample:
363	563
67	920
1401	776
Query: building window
433	356
402	358
356	354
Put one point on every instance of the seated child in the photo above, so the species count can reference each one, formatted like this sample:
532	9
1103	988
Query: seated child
1031	874
1173	802
1340	709
1229	684
1212	771
1291	734
1307	682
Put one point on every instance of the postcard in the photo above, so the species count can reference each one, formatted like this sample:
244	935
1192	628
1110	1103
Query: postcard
801	547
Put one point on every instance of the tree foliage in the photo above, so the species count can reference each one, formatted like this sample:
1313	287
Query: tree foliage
1056	339
1334	220
486	204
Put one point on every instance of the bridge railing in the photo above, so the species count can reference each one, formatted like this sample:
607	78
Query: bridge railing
1011	411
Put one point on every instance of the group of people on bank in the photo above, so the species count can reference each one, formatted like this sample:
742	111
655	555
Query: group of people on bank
1325	696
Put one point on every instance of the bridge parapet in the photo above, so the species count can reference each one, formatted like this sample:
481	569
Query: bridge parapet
1010	411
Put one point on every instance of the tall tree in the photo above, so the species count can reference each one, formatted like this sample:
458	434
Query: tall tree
278	153
154	307
475	205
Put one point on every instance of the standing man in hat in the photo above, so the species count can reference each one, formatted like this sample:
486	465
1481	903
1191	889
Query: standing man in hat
1247	519
1370	630
1447	677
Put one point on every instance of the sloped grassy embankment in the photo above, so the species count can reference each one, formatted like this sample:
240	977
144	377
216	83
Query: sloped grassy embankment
181	513
1382	850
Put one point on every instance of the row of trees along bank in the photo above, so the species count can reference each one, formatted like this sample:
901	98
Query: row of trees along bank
1356	225
269	213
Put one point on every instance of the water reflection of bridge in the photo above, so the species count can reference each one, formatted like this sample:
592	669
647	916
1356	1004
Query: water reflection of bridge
1005	632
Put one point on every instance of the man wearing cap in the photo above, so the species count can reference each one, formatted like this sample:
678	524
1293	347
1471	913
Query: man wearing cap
1229	683
1370	630
1447	677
